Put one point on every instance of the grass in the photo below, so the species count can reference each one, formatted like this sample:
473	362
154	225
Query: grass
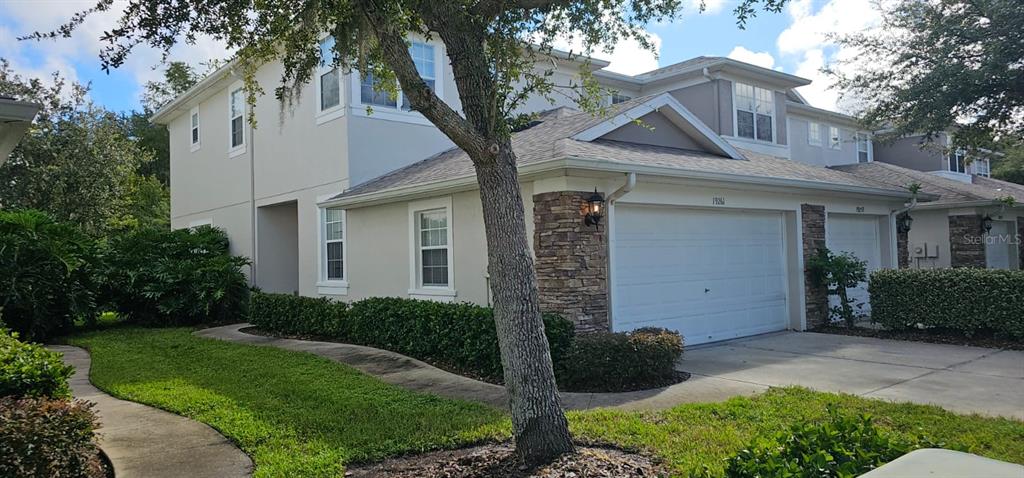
299	415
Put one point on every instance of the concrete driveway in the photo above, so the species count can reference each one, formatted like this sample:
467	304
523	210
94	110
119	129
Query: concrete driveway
962	379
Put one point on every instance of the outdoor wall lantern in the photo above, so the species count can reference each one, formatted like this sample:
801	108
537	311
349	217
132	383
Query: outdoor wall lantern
986	224
594	209
904	224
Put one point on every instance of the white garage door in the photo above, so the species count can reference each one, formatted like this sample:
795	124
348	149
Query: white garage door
859	236
998	244
711	275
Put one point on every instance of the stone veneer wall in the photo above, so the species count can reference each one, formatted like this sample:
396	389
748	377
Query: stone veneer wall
903	249
572	260
816	297
1020	241
966	244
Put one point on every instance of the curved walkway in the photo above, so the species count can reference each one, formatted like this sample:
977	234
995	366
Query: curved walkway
413	374
142	441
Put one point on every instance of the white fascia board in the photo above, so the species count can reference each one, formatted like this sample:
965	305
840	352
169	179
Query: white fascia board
819	113
165	114
690	124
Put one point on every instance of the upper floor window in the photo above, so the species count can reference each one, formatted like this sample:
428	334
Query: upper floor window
755	112
236	109
956	161
423	56
982	167
433	247
863	147
814	133
334	244
835	140
329	77
619	98
194	128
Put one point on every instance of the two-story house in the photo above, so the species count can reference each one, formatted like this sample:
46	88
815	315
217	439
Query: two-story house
977	221
710	206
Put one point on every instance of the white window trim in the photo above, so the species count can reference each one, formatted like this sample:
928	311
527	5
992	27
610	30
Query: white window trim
814	141
397	113
838	145
416	291
324	285
334	112
195	145
951	159
977	170
200	222
240	149
735	120
867	142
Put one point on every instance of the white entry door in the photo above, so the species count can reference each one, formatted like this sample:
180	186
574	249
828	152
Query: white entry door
998	242
711	275
859	236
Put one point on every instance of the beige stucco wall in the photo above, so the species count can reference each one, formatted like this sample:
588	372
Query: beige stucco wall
930	227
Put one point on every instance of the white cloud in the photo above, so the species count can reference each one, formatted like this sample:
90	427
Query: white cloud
627	57
711	7
808	38
41	58
762	59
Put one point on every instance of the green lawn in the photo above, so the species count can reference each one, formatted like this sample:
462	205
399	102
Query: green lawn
300	415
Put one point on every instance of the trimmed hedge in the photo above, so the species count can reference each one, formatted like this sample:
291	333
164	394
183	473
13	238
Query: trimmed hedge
29	370
45	437
967	301
618	362
461	336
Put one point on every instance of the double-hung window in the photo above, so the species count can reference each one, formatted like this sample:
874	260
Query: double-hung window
863	147
194	128
956	161
755	112
432	227
328	78
835	141
334	244
814	133
236	110
982	167
423	56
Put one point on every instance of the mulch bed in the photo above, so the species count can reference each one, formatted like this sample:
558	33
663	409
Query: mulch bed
679	376
935	336
499	461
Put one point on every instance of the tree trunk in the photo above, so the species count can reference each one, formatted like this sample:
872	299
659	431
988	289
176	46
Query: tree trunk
541	430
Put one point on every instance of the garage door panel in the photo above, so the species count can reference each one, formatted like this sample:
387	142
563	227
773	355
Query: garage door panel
711	275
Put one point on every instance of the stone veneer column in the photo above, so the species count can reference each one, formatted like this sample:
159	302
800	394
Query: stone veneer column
815	297
902	246
572	260
966	244
1020	241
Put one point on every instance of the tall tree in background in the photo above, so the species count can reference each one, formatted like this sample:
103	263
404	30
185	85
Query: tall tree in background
75	162
494	49
937	65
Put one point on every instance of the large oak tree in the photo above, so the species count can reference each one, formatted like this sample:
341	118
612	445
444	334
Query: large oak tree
494	48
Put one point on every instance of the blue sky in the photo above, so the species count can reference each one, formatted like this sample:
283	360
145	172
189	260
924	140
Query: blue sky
791	41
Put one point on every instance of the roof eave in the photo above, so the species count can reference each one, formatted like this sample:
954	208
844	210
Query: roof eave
169	111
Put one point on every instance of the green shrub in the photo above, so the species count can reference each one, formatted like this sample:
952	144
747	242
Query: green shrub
838	273
45	275
29	370
844	446
460	336
179	277
616	362
41	437
966	301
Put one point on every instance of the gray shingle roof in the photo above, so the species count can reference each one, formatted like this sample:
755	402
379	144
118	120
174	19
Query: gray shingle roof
949	191
553	139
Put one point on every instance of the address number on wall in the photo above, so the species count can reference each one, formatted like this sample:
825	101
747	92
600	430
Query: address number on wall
718	201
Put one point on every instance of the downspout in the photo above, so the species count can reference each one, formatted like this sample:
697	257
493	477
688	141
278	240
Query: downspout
614	196
252	202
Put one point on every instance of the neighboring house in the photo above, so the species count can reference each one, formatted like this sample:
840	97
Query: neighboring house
712	209
974	223
933	155
15	118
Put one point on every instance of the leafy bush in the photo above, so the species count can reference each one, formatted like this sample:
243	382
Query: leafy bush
178	277
45	274
28	370
839	272
461	336
967	301
844	446
613	362
45	437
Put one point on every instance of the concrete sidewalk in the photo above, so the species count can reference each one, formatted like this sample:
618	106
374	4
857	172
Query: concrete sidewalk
145	442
